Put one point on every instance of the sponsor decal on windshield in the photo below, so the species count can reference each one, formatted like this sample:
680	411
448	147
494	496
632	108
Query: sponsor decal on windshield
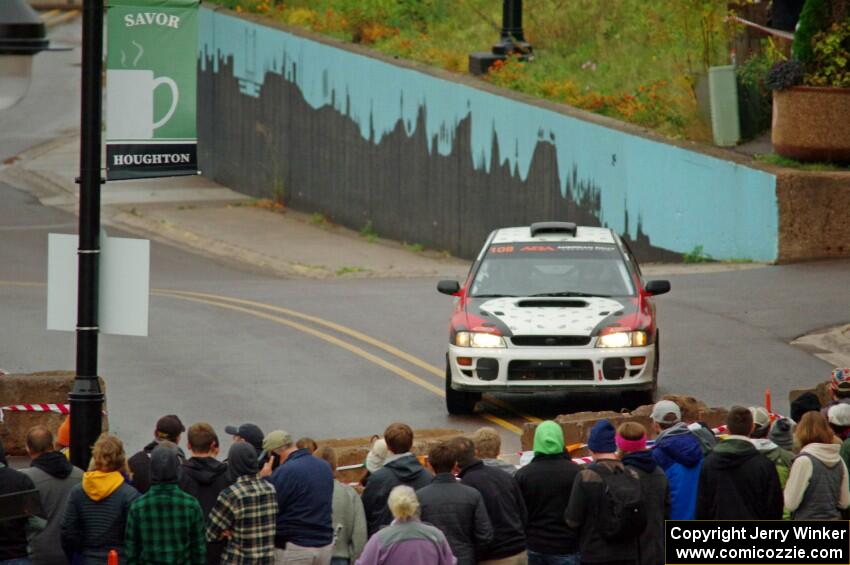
551	248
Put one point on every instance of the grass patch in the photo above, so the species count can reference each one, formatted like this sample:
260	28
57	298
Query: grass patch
186	207
629	59
780	161
319	219
414	247
349	270
697	255
368	232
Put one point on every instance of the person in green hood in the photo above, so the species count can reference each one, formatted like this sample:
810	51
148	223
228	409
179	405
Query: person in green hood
546	484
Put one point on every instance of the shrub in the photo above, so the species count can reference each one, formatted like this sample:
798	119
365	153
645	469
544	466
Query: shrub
813	19
784	75
830	62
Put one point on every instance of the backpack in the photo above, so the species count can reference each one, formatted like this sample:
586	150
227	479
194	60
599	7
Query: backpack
623	513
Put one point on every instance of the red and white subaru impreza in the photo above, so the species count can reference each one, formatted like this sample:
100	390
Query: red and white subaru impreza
552	306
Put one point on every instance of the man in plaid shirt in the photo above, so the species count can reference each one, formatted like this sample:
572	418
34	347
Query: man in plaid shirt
245	512
166	525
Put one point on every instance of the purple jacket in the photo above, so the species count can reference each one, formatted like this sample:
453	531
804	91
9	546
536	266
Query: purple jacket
407	543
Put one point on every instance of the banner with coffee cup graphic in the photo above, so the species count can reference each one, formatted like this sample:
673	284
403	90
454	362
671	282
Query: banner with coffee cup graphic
151	87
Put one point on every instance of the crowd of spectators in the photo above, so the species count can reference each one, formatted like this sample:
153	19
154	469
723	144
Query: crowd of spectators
277	500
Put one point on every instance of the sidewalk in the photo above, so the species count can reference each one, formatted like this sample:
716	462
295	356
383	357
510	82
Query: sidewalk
196	214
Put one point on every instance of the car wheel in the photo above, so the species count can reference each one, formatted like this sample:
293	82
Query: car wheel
458	402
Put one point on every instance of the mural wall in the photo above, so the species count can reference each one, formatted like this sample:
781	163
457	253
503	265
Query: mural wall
440	163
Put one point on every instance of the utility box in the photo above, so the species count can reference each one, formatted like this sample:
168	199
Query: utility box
723	89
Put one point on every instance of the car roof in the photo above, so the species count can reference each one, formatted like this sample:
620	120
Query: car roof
583	234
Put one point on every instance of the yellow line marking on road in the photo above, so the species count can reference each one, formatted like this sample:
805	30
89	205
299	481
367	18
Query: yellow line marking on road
203	298
326	323
413	360
407	375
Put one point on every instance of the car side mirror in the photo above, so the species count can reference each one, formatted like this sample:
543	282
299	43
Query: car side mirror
654	288
448	287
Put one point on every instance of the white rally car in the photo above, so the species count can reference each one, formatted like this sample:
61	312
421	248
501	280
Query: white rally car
552	306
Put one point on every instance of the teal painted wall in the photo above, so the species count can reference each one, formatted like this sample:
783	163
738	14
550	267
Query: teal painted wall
679	198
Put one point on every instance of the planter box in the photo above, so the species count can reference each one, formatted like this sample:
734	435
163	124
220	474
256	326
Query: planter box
812	123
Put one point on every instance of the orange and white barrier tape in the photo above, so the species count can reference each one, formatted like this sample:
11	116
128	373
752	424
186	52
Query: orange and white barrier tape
40	407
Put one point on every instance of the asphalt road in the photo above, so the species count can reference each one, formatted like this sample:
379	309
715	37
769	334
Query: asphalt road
724	335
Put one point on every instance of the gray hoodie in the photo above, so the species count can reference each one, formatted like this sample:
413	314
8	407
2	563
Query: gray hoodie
499	464
54	477
349	523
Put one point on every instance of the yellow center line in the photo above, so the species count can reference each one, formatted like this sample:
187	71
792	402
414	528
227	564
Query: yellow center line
204	298
413	360
407	375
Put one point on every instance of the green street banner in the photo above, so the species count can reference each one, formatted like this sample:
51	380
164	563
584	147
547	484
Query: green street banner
151	88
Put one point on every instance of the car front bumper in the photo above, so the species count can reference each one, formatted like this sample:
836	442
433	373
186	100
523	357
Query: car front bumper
539	369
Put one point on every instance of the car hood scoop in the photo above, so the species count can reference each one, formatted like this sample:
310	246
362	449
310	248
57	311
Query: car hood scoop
550	316
552	303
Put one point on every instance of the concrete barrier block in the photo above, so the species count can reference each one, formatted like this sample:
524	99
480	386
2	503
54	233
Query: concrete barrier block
50	387
577	426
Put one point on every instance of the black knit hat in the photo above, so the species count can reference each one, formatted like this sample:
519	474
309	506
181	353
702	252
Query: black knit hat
806	402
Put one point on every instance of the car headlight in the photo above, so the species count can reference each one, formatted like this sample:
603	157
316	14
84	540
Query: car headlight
478	339
622	339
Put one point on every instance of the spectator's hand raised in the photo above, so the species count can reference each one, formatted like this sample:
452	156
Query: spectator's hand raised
266	471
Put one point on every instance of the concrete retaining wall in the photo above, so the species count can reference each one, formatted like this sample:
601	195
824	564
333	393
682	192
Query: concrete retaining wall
813	210
441	159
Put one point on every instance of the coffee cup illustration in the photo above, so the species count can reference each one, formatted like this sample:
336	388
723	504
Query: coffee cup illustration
130	111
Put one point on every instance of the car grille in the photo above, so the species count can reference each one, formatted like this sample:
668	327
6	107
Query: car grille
550	340
549	370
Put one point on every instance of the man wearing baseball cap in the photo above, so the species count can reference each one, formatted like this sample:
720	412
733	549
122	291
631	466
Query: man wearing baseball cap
168	428
679	453
249	433
304	485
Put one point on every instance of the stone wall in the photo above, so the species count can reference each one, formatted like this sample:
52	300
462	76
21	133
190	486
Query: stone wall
813	208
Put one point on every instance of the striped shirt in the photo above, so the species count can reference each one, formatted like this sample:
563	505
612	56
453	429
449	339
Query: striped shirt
247	510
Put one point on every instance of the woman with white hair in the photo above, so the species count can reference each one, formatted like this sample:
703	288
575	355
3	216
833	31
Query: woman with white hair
407	541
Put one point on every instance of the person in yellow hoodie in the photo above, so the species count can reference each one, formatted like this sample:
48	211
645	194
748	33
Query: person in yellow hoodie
96	515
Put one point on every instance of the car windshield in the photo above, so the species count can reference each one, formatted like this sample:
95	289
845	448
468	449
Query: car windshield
552	269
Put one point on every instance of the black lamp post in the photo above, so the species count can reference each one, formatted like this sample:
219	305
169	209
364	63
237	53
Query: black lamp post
22	35
86	398
511	41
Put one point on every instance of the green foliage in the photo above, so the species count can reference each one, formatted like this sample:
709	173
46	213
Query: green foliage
349	270
318	219
414	247
696	255
755	99
780	161
368	232
813	19
830	62
629	59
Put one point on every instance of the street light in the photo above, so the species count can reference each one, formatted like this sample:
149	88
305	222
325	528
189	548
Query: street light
511	41
22	35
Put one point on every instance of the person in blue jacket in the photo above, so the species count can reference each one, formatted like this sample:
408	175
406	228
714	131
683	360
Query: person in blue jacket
679	453
305	486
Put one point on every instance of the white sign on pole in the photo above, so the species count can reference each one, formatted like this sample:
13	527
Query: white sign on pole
123	292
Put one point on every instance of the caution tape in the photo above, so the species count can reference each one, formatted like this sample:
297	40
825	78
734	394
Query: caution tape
41	407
